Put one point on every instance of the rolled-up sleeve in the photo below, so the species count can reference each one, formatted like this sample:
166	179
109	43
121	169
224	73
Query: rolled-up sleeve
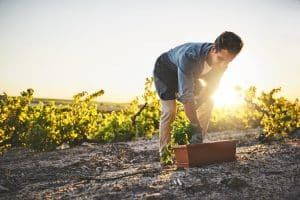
188	60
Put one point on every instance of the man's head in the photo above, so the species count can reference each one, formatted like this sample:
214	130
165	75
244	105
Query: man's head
229	41
226	47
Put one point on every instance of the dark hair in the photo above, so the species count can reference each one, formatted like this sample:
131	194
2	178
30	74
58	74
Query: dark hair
229	41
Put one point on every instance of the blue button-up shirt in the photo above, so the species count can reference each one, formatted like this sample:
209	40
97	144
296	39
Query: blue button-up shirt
189	59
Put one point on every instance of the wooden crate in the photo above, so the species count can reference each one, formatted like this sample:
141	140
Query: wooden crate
193	155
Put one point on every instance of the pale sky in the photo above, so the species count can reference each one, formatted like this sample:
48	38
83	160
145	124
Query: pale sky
62	47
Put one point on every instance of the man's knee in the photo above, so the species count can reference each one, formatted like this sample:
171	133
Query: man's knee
169	112
168	115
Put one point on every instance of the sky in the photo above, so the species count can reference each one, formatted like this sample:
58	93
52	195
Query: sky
62	47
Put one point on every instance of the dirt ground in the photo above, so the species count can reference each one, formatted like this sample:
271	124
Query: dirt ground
131	170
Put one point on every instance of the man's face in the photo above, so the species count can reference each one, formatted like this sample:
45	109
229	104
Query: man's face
219	59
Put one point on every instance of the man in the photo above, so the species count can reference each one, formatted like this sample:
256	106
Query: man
176	77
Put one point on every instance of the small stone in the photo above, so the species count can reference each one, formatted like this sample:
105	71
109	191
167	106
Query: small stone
3	189
234	183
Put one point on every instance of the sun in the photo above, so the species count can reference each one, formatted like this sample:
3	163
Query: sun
226	97
228	94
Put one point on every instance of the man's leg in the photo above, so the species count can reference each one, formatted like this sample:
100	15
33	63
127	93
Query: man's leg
168	114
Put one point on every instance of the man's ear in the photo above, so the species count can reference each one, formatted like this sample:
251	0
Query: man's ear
213	49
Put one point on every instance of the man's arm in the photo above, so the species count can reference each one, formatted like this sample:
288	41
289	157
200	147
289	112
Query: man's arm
188	66
211	80
186	96
203	96
190	112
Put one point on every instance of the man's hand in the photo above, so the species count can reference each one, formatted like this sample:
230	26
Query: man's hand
196	134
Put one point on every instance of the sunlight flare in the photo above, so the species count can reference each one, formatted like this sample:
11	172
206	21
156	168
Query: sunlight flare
227	96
